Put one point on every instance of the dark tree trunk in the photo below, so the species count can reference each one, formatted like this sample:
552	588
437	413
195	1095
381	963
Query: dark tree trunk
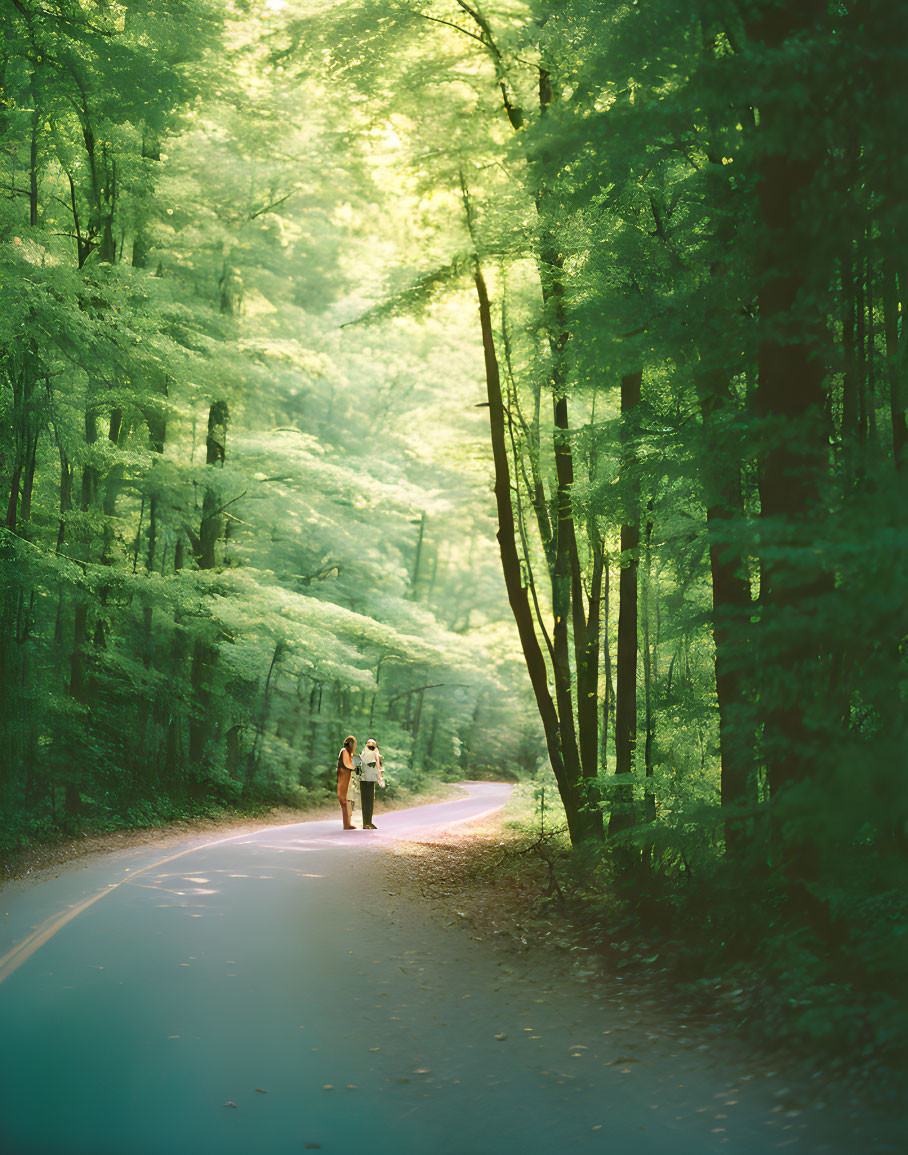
414	577
895	367
791	402
566	775
608	697
66	495
234	752
204	655
791	399
649	725
732	603
252	762
12	507
28	479
33	167
89	473
850	385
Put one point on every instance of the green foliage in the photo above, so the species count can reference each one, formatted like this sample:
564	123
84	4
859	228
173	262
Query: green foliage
226	542
244	458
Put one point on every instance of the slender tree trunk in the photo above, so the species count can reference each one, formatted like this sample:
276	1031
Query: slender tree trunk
566	775
850	385
649	726
608	698
89	472
861	346
414	577
33	166
895	367
871	340
732	603
574	761
252	763
204	654
417	720
622	815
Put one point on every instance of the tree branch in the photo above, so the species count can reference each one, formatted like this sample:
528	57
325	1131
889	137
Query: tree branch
450	24
273	205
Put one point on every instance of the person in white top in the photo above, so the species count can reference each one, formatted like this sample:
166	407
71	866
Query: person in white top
371	773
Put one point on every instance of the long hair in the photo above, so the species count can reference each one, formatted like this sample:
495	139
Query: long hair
350	742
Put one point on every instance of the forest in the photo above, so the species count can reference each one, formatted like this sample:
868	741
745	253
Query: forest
525	382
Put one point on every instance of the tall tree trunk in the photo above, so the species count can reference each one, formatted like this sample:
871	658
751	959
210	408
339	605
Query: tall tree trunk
649	725
252	761
622	815
850	385
89	472
414	577
566	774
790	398
732	602
895	364
608	697
204	654
33	165
791	402
577	761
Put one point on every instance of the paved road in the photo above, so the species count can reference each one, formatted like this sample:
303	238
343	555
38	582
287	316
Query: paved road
273	993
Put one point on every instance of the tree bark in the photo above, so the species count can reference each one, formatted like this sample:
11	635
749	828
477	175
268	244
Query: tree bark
649	726
732	603
414	577
622	813
204	655
895	367
791	403
566	775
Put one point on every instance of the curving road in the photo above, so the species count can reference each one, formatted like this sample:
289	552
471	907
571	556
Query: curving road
272	993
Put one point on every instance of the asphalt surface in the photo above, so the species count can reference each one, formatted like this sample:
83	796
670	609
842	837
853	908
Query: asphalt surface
274	993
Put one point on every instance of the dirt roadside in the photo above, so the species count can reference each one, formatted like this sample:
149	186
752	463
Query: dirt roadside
477	876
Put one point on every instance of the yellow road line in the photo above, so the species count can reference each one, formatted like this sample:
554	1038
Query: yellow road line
22	952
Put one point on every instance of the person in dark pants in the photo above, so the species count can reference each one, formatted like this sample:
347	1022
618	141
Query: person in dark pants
371	773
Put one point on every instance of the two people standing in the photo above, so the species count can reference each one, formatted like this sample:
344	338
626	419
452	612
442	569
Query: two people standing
370	767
